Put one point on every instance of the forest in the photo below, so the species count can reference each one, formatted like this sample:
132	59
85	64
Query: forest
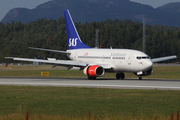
15	38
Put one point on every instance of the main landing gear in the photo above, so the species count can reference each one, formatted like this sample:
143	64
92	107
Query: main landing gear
91	78
120	75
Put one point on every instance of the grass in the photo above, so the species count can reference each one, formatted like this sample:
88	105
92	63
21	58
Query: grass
166	72
30	67
75	103
58	103
160	72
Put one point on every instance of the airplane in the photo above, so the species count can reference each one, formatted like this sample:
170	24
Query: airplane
96	61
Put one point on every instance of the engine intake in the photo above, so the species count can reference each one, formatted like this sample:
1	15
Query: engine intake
94	71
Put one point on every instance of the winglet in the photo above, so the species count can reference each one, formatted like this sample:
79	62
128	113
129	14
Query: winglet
74	41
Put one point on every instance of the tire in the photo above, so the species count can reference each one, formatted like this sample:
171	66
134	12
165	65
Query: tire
91	78
139	78
94	78
118	75
122	75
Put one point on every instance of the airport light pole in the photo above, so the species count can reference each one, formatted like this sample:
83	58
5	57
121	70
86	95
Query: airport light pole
144	35
97	38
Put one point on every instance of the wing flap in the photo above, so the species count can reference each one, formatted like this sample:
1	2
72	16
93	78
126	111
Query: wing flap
163	58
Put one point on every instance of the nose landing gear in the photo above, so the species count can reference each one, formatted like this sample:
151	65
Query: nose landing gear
139	77
120	75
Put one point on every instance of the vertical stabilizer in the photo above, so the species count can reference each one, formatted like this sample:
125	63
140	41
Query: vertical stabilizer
74	41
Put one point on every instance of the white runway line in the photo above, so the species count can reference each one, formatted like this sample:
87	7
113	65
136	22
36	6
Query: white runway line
87	85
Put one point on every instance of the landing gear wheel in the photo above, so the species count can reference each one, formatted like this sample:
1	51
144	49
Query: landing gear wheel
120	75
94	78
139	78
91	78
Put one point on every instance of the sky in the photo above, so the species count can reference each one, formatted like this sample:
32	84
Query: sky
6	5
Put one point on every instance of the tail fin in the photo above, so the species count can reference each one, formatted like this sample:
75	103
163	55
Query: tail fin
74	41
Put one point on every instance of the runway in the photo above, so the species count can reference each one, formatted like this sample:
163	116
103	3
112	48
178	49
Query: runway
99	83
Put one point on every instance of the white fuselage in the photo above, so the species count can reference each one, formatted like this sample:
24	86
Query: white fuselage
121	60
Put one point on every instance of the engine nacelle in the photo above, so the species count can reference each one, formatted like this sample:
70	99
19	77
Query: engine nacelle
94	71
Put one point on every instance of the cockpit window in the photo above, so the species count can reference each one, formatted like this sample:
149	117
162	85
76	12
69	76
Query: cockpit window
143	57
139	58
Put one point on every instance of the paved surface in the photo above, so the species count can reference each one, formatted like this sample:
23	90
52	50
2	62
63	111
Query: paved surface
99	83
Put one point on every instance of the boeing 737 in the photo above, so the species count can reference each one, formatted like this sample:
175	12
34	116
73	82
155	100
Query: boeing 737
96	61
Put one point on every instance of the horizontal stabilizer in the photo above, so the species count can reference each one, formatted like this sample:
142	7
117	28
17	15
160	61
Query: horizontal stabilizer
163	58
49	50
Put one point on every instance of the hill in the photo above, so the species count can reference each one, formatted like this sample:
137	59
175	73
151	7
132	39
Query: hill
172	8
96	10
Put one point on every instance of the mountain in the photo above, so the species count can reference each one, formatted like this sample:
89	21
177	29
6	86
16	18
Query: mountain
172	8
96	10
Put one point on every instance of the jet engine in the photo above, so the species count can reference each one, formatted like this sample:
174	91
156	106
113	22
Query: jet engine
94	71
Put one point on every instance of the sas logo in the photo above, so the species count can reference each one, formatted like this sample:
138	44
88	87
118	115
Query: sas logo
73	41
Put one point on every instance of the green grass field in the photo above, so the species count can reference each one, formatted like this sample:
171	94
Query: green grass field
75	103
160	72
57	103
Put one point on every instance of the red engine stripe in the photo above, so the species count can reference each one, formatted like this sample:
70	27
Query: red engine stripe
91	71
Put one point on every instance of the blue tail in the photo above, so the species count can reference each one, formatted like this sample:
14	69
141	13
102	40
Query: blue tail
74	41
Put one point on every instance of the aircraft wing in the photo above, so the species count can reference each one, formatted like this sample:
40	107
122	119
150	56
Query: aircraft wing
50	50
163	58
54	61
66	63
105	66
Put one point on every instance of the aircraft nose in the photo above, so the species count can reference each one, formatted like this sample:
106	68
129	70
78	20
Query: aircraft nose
149	64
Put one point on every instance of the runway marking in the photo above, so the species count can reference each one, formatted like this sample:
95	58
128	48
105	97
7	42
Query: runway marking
89	85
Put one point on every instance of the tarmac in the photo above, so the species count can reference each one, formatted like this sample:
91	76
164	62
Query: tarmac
161	84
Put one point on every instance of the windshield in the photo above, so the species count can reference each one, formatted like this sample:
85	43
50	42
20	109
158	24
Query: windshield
143	57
